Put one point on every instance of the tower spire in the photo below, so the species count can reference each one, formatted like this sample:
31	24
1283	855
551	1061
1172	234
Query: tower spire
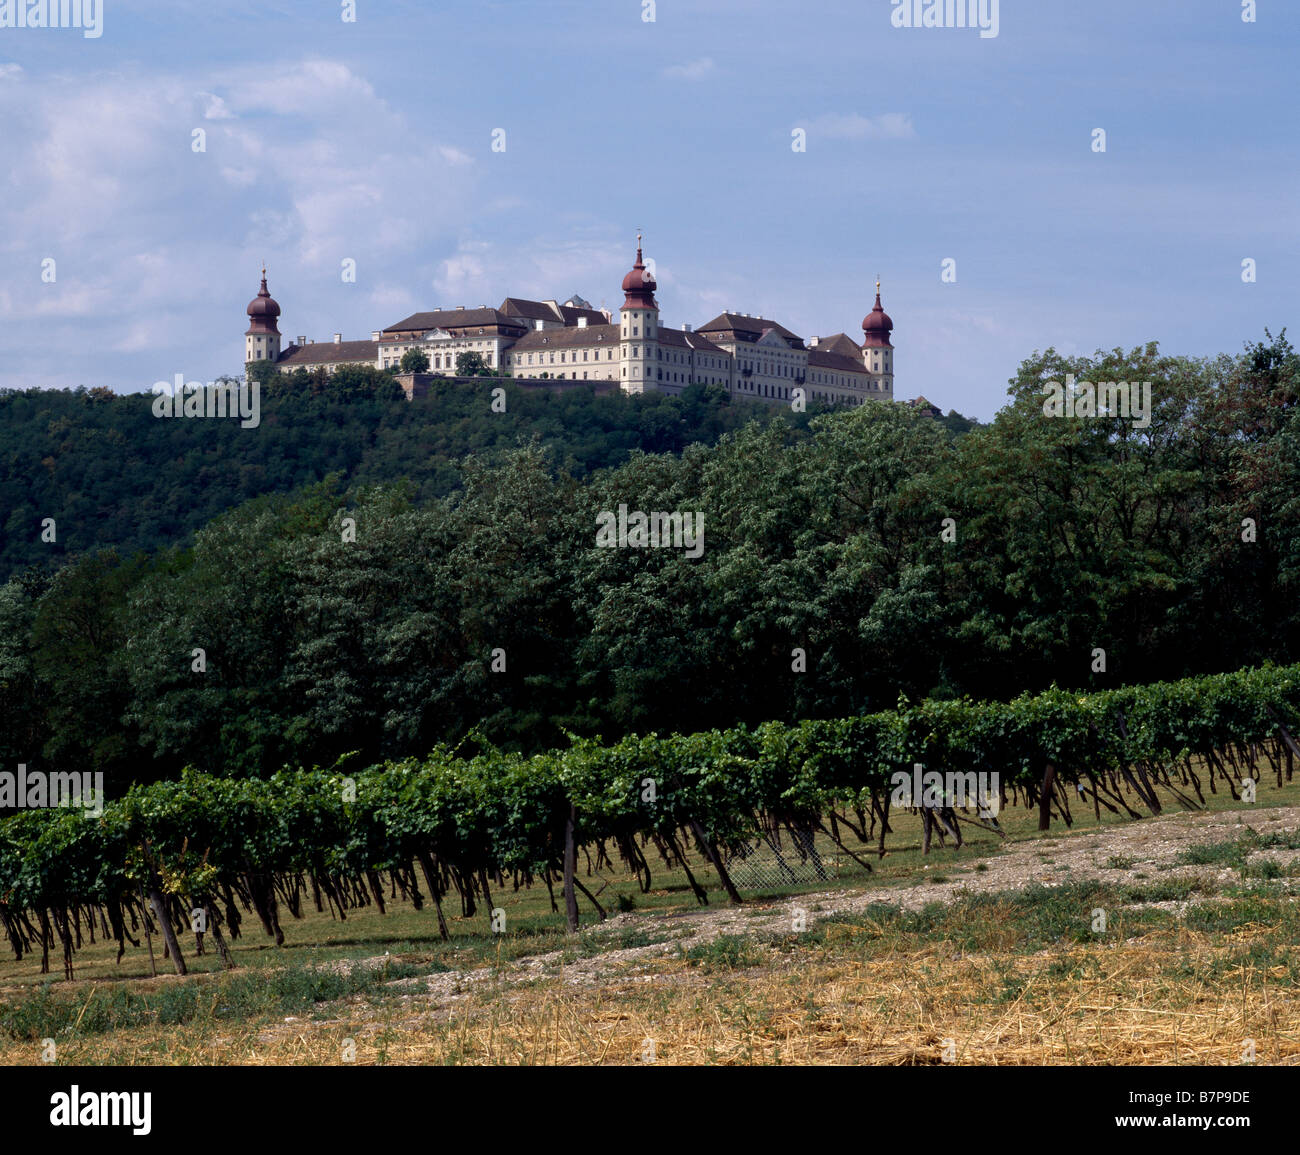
262	337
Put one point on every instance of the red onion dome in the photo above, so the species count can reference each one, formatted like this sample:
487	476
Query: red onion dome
639	284
263	310
877	325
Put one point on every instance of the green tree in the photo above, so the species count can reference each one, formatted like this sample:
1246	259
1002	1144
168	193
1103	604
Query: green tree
210	635
1243	588
80	654
263	372
472	365
415	361
22	704
1071	533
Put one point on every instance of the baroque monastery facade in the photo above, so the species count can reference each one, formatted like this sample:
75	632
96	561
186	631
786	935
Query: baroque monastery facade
752	357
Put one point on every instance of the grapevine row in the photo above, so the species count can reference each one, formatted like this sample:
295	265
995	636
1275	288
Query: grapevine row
202	851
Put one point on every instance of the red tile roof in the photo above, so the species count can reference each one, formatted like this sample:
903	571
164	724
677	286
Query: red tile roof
683	339
836	362
329	353
541	311
840	343
747	328
454	319
601	336
594	316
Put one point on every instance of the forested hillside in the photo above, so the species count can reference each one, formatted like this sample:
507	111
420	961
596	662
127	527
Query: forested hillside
868	556
110	473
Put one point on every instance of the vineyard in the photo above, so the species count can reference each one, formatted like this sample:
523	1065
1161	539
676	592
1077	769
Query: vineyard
200	853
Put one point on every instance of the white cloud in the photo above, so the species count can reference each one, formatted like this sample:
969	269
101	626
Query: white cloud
8	71
216	109
463	276
886	126
691	70
390	303
303	168
539	268
312	88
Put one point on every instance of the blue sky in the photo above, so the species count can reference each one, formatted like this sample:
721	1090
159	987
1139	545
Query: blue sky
372	140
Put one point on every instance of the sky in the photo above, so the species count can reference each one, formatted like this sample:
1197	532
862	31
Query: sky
327	140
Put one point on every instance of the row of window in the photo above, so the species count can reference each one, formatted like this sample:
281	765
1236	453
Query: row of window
519	357
836	399
702	362
461	343
448	361
767	369
831	379
594	355
391	358
771	392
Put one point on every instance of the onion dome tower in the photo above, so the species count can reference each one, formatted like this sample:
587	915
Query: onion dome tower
262	337
877	350
639	329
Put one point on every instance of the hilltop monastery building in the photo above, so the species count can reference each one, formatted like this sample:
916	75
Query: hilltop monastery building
752	357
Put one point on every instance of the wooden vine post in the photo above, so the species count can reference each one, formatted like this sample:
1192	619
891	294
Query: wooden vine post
148	934
1045	797
714	857
570	868
159	903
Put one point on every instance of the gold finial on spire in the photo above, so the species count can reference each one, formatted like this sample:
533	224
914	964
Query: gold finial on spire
877	284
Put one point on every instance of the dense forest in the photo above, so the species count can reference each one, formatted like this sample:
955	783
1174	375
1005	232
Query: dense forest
849	558
111	474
